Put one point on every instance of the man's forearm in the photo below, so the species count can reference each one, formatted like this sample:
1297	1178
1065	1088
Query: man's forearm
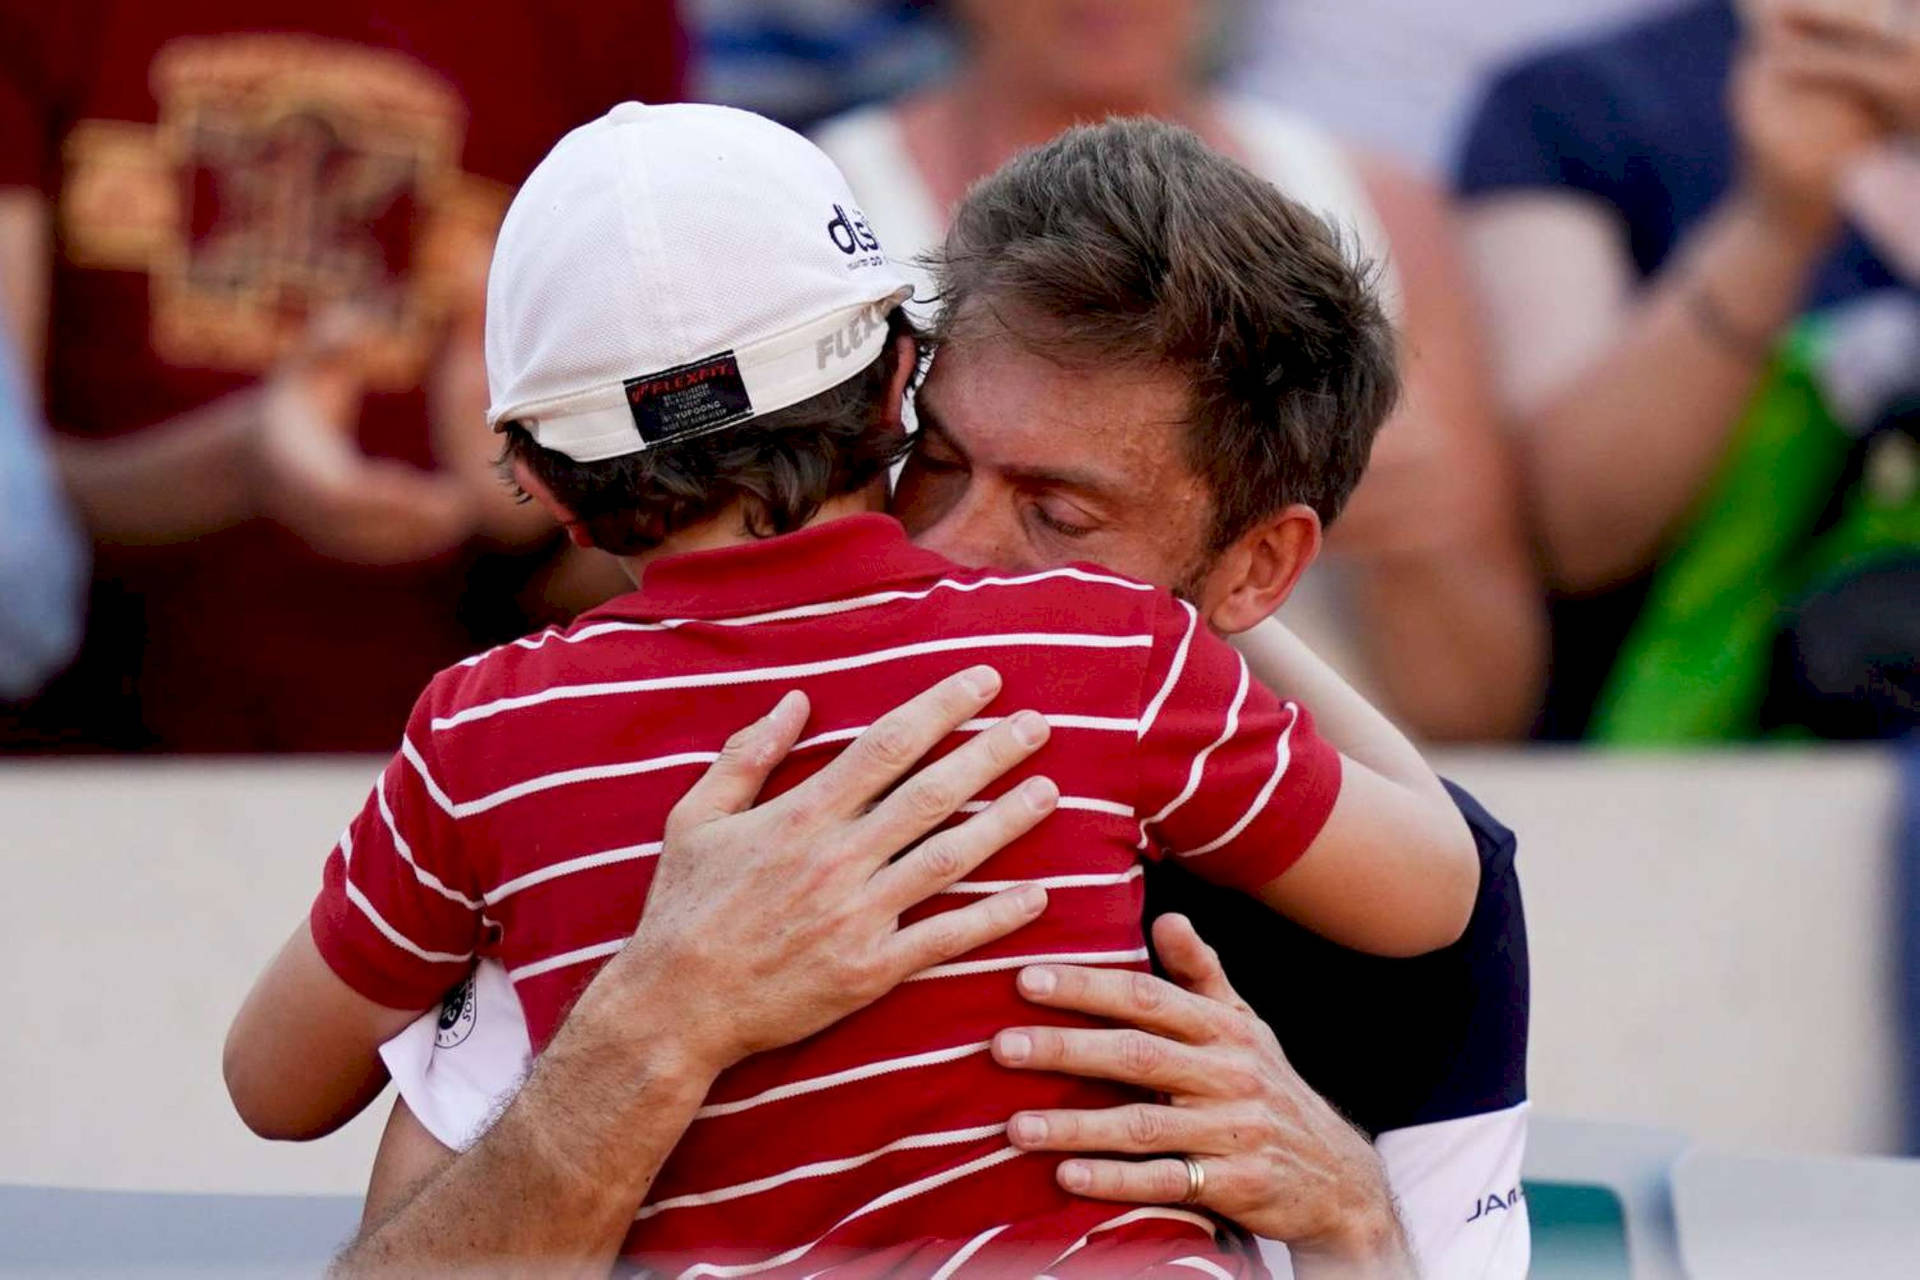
1616	458
170	483
554	1185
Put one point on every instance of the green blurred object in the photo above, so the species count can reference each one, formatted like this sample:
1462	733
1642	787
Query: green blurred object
1698	665
1579	1232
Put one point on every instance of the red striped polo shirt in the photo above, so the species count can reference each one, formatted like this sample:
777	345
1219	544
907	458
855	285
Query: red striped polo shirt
521	818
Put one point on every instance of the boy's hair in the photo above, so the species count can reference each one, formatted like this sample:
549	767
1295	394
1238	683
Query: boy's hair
780	466
1131	242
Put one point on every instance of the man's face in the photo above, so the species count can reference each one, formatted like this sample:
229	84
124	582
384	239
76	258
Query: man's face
1022	463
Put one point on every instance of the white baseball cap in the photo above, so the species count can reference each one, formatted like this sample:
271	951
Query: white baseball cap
668	271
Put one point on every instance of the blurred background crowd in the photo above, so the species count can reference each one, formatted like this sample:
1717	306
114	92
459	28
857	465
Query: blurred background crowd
1656	264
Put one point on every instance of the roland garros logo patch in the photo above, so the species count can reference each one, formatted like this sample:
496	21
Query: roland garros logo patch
690	399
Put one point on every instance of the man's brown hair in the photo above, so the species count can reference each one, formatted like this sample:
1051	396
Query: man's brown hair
1132	241
780	466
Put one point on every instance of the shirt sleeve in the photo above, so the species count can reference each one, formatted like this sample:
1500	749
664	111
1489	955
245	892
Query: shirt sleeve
398	917
1531	130
1233	781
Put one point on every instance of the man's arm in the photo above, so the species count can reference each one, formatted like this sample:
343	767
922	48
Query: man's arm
762	926
1277	1158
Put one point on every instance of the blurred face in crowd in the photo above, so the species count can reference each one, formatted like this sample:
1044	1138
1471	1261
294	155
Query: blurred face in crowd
1024	463
1094	50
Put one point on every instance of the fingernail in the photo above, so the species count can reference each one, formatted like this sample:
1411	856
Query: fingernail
1030	728
1041	793
1032	898
981	682
1029	1129
1038	982
1015	1046
1075	1176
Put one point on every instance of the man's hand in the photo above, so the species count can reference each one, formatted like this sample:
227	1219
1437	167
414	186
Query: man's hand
762	926
812	875
1277	1158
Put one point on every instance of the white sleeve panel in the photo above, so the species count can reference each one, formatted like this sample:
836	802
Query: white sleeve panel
1458	1183
457	1066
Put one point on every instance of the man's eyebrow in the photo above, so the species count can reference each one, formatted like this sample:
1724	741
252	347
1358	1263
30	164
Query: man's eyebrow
1091	483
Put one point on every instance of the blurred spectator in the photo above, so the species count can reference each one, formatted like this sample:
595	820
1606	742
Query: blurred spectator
43	558
800	61
1399	74
1427	596
250	242
1651	214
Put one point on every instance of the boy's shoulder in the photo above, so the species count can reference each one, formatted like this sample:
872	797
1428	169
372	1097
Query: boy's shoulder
613	639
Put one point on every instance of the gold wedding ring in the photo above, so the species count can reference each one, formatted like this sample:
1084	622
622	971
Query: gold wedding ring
1196	1181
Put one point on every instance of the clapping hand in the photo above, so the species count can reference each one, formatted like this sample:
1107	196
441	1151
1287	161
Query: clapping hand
310	475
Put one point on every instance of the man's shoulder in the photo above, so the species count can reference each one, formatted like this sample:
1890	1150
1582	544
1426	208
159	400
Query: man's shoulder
1393	1043
1574	112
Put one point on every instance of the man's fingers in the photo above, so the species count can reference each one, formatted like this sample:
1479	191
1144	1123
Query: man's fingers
733	781
1191	962
952	934
895	742
1128	1056
1132	1181
1142	1128
938	791
942	859
1139	999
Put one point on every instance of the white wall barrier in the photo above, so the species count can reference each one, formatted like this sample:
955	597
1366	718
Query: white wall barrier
1711	939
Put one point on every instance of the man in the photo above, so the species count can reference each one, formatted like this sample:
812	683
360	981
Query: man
1058	424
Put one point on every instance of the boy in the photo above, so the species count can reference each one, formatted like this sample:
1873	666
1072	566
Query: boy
698	360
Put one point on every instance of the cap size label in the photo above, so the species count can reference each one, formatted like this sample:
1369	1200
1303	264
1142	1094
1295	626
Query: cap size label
690	399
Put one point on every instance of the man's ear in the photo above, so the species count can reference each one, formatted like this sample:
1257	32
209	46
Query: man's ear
1255	575
534	486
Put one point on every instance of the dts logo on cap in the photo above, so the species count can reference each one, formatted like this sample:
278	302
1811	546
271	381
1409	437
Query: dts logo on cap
851	234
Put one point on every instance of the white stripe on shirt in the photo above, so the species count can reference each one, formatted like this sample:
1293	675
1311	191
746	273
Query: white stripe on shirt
1282	757
793	671
578	956
1092	880
1152	712
898	1195
1150	1213
553	871
821	610
967	968
654	764
1200	761
967	1251
852	1075
396	937
821	1169
1083	804
420	873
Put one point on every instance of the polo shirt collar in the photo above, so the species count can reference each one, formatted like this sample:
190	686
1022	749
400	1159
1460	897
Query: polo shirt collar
826	561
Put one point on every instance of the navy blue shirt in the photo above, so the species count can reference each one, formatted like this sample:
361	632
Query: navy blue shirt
1636	118
1391	1043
